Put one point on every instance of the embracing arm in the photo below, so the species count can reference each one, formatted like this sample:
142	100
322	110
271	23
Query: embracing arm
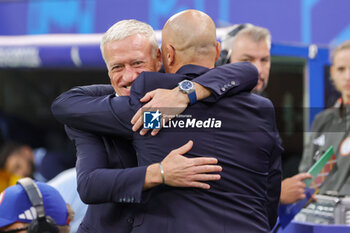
89	108
226	80
126	184
93	169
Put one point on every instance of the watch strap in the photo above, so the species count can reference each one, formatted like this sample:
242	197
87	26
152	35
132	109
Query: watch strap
193	97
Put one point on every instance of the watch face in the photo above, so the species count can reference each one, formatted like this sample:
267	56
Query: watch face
186	85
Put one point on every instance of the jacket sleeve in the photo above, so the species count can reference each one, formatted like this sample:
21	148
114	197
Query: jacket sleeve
275	175
92	108
274	181
228	80
96	182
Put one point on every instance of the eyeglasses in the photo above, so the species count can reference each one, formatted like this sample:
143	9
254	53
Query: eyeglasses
14	230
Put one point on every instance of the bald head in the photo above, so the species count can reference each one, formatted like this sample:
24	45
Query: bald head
191	34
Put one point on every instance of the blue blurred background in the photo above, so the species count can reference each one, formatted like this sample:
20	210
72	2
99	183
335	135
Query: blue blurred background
299	21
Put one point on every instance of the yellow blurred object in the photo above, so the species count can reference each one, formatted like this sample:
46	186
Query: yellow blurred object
7	179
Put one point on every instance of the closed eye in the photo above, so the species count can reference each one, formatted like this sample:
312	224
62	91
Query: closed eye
265	59
116	67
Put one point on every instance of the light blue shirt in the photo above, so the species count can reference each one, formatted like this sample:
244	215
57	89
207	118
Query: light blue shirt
66	184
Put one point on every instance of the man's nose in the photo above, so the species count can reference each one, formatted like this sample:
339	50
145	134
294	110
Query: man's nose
129	75
347	73
258	66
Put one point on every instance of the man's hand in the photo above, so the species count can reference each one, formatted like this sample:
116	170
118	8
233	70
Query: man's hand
293	188
180	171
171	102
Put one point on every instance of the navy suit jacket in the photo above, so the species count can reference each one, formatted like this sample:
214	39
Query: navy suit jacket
107	176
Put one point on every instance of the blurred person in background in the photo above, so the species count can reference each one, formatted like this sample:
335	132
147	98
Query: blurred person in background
17	159
30	202
66	184
247	42
331	128
24	161
15	163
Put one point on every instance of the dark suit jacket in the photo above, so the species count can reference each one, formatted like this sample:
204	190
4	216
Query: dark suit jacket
107	176
246	144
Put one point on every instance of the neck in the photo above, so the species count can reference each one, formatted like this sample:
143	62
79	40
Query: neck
207	64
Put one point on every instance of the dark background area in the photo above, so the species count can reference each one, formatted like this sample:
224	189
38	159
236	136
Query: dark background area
25	99
285	90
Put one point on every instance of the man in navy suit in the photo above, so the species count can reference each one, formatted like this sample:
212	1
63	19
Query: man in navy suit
107	175
241	131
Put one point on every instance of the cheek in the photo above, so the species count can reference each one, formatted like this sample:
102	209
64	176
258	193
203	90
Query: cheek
267	67
115	79
338	83
267	72
17	166
138	71
337	79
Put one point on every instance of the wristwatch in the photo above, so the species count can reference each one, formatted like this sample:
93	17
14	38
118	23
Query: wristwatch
187	87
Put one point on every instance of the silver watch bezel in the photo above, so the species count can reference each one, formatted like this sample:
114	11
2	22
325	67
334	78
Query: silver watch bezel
187	91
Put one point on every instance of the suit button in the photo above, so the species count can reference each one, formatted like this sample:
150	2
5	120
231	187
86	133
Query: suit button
223	89
233	83
130	220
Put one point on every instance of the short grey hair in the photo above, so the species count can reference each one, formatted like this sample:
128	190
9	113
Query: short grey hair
126	28
341	47
256	33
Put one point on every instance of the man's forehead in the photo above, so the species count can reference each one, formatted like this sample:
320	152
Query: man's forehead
249	48
117	53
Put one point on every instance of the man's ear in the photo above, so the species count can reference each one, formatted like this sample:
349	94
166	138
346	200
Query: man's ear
218	50
170	55
159	60
331	71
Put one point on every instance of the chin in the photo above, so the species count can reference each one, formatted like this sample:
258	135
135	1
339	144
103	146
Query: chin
125	92
257	90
